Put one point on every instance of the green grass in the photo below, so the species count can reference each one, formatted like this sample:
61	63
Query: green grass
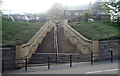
18	32
97	30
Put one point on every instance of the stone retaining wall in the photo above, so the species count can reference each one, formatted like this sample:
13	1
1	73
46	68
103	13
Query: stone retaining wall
85	45
0	60
110	45
8	54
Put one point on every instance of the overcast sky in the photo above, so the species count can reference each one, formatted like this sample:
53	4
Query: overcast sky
38	6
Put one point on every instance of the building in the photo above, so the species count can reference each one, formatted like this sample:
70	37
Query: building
57	11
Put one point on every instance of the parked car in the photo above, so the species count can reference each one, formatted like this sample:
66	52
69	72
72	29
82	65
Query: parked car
32	20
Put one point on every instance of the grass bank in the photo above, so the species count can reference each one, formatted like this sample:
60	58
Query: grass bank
18	32
97	30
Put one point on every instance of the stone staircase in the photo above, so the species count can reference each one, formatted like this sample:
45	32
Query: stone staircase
66	48
42	58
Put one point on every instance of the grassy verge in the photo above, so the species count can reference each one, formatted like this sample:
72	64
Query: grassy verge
18	32
97	30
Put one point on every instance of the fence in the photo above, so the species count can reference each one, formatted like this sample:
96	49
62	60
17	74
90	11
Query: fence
64	58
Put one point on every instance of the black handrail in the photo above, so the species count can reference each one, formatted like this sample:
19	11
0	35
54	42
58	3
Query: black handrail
71	59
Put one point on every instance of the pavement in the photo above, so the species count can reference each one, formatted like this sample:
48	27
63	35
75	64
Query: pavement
103	67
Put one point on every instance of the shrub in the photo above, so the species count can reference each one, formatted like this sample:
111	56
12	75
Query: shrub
86	15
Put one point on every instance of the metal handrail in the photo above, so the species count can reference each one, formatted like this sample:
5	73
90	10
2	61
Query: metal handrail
49	60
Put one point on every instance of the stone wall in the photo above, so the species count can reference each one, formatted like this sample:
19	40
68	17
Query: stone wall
8	54
0	60
109	45
84	45
26	50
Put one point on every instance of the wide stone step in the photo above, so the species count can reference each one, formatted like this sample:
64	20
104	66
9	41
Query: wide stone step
42	54
39	58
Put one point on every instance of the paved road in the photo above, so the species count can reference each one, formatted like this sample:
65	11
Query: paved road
78	68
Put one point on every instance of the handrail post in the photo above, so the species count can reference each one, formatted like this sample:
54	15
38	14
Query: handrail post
91	58
56	59
48	62
26	64
2	66
70	60
111	56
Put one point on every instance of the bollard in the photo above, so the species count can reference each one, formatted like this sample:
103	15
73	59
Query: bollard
2	66
56	59
48	62
70	60
111	56
91	58
26	64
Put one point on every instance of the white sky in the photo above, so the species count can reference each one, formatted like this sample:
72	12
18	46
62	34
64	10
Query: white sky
38	6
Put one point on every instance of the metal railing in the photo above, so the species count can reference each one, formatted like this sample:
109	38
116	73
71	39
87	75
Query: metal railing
68	58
